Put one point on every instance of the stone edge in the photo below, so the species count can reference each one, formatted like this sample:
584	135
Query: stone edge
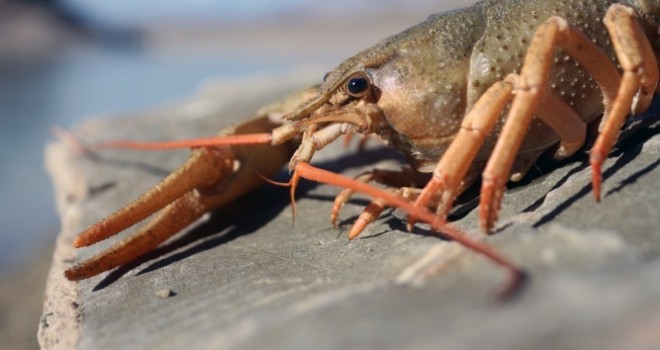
60	327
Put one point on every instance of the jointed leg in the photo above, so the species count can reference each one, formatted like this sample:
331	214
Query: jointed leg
555	32
479	122
565	121
456	161
402	182
640	80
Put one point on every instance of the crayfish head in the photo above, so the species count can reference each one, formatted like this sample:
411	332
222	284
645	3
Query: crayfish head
412	88
347	100
346	103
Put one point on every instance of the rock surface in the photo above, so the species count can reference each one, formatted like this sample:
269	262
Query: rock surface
246	278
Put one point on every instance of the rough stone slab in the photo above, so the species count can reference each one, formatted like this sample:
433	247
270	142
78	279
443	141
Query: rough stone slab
246	278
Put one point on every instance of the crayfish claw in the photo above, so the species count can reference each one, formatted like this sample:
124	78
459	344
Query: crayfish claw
203	170
210	178
172	219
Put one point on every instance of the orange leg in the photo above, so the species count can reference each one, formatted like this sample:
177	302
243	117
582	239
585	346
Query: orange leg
640	80
555	32
398	182
456	161
370	213
448	175
345	195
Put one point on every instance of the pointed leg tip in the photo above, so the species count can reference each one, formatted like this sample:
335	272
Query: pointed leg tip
410	224
487	220
355	230
486	227
596	180
485	217
489	207
597	195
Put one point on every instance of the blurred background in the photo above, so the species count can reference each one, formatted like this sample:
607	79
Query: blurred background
64	61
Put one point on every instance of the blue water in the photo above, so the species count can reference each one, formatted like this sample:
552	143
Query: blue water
66	89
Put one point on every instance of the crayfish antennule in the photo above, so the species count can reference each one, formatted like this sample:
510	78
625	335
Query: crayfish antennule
272	182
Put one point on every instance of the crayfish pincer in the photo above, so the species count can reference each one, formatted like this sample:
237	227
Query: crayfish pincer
483	90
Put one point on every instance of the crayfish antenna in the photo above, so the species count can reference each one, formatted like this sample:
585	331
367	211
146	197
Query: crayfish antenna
516	276
214	141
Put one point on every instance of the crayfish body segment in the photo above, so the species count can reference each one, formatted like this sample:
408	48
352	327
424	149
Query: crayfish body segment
487	88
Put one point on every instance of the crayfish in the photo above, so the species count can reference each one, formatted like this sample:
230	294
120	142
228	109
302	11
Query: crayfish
486	89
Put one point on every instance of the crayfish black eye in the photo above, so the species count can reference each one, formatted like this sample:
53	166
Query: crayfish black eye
358	86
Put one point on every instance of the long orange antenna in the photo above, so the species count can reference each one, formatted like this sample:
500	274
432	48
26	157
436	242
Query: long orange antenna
229	140
516	276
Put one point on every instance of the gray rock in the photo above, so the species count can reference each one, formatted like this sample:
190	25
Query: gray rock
247	278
